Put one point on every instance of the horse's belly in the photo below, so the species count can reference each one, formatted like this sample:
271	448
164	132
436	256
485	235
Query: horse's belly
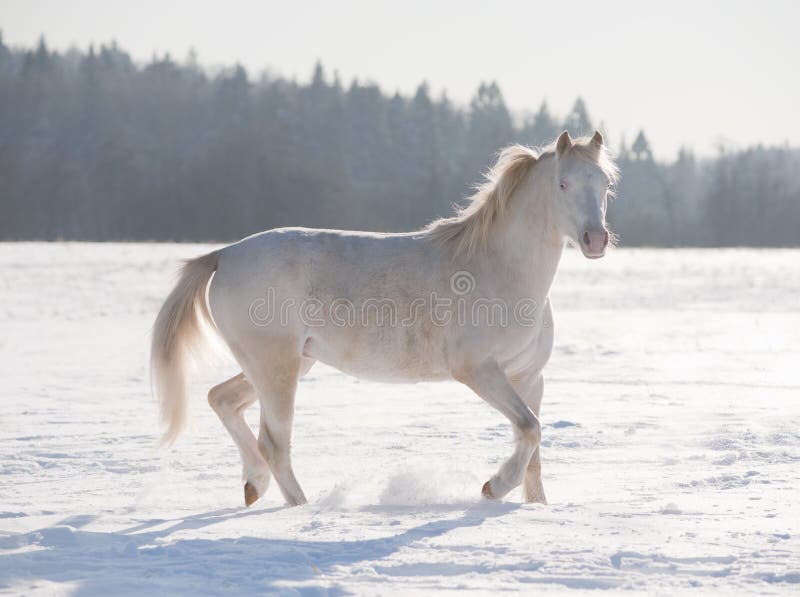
376	363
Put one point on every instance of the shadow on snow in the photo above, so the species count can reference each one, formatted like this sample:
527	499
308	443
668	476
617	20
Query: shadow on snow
135	558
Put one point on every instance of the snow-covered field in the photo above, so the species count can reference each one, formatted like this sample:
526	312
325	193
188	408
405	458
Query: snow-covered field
671	446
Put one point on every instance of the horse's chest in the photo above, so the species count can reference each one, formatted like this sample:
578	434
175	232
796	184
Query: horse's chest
524	349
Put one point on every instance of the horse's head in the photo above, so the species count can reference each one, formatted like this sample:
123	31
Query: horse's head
583	177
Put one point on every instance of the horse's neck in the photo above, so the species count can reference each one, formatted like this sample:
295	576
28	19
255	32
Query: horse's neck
527	240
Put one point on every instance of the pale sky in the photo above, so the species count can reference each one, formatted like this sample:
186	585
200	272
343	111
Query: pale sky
695	73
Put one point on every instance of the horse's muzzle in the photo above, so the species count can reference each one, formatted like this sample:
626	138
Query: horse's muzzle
594	242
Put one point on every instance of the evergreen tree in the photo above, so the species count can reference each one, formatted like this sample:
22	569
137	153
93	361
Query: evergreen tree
640	150
541	129
577	121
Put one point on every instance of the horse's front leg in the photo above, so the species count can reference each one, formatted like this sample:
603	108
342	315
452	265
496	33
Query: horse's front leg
489	382
531	388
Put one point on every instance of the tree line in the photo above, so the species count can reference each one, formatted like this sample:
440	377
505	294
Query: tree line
96	147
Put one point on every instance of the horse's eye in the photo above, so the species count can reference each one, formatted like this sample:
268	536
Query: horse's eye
563	185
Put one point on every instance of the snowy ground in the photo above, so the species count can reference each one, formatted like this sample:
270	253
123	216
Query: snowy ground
671	446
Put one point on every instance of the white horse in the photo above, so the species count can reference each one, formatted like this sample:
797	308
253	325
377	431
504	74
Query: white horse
465	298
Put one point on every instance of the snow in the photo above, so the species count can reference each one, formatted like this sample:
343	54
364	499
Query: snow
671	446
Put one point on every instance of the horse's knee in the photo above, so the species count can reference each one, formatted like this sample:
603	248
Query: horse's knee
534	399
531	430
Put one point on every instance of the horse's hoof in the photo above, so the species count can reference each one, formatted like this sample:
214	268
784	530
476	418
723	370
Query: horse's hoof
250	494
299	500
487	491
534	494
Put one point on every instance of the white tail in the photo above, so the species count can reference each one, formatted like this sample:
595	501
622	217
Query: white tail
177	336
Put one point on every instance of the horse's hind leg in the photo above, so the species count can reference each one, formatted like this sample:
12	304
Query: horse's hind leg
275	380
229	400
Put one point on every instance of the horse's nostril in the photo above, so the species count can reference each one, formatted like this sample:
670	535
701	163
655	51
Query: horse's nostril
586	239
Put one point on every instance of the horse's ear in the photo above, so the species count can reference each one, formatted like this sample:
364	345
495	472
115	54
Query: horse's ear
597	139
563	144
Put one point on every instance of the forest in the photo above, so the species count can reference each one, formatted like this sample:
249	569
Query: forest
95	146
